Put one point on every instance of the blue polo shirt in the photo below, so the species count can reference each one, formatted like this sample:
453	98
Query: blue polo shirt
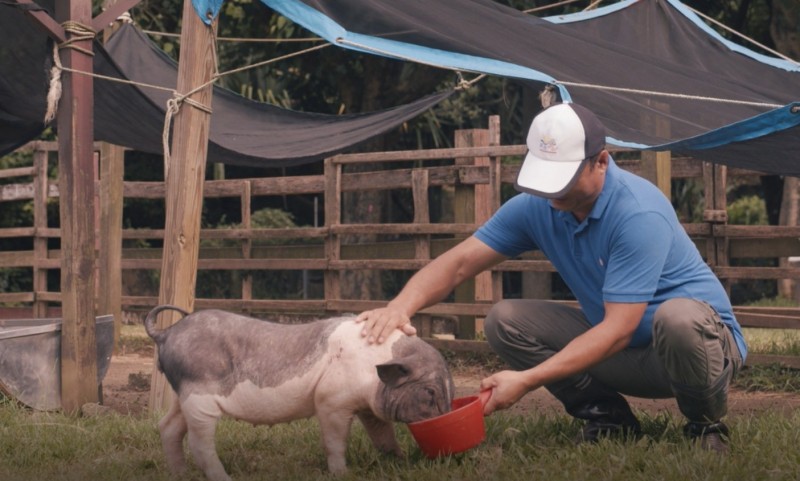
631	248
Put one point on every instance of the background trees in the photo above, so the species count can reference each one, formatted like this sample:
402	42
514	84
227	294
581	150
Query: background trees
333	80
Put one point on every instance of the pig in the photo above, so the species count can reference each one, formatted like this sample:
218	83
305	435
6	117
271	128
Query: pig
224	364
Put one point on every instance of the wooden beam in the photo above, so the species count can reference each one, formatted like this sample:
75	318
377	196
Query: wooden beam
112	11
77	209
112	168
186	173
43	20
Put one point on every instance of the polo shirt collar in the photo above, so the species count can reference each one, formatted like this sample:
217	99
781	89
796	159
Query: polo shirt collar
609	186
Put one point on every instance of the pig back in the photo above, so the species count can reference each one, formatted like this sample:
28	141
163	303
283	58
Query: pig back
212	351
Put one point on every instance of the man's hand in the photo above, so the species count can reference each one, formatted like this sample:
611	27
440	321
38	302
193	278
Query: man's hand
507	387
379	323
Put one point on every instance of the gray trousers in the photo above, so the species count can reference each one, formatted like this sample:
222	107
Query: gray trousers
693	356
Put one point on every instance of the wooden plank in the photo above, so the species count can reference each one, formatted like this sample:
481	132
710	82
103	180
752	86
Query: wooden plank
7	232
420	181
763	248
40	182
444	309
757	272
77	176
112	167
48	296
247	244
409	229
333	216
767	359
431	154
16	297
184	181
776	311
12	192
460	345
17	172
757	231
656	167
769	321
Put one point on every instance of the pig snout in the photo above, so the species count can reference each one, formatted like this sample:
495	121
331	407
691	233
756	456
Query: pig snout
417	385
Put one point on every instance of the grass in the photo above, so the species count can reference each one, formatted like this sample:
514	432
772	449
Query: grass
53	447
38	446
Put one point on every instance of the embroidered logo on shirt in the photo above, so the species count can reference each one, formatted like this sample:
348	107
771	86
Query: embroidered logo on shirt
548	145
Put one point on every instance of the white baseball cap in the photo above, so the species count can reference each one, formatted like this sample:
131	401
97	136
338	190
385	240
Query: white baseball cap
561	140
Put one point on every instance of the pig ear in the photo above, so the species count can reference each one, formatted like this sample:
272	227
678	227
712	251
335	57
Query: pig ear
392	373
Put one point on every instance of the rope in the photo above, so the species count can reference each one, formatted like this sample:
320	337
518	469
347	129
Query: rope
745	37
54	91
575	84
174	104
81	32
552	5
667	94
463	84
78	33
242	40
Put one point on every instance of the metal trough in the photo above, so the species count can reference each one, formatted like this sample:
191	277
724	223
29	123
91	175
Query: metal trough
30	359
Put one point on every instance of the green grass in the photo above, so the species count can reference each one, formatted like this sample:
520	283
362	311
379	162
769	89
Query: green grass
53	447
773	341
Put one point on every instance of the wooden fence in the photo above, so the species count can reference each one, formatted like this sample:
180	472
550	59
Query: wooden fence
472	175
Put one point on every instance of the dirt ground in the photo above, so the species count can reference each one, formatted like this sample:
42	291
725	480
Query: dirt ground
126	389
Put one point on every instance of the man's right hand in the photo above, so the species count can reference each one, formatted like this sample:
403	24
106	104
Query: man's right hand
379	323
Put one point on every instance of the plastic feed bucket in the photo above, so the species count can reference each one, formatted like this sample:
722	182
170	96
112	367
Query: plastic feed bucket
454	432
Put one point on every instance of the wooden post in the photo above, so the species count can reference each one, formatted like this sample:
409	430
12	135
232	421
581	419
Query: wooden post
247	244
112	168
716	213
656	166
333	216
77	210
472	205
420	181
184	183
112	173
40	187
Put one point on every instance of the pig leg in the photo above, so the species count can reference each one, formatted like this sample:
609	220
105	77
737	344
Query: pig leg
381	433
335	426
202	422
173	429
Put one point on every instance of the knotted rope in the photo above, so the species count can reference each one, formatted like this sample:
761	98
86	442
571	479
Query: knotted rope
78	32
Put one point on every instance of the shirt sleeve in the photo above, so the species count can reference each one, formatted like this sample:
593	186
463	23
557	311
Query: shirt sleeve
508	231
638	254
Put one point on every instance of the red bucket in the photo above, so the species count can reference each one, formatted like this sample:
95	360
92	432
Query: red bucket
454	432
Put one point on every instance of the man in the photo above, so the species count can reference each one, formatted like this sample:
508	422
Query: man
653	320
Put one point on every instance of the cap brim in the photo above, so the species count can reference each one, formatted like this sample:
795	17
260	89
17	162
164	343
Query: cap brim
547	178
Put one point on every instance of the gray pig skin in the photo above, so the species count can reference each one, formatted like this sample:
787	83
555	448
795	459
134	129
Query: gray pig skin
224	364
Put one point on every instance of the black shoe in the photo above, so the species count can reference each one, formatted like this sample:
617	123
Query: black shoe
710	436
617	422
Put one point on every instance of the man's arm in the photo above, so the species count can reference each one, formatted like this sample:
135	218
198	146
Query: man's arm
428	286
600	342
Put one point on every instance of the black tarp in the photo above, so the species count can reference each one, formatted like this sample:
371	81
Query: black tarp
655	46
242	131
651	69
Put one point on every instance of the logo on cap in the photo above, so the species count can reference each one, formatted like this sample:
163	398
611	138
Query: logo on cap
548	145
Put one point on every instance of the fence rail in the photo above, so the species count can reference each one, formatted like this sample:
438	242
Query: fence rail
472	177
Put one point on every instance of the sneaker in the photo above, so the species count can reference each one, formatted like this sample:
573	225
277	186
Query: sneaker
609	423
710	436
